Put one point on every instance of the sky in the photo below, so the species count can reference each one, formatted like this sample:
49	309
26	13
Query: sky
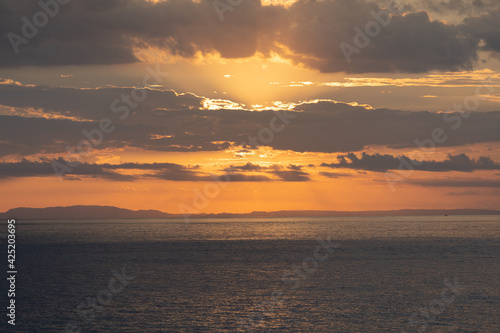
207	106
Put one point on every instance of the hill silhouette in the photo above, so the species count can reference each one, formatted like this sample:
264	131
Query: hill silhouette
110	212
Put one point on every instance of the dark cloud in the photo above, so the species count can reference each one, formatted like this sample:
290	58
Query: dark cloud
27	136
168	171
486	183
83	32
334	174
239	177
295	167
94	104
108	32
409	43
245	173
292	176
256	167
247	167
166	121
485	28
447	7
291	173
161	171
461	6
472	192
383	163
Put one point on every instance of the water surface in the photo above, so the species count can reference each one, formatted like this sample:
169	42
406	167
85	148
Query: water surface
221	275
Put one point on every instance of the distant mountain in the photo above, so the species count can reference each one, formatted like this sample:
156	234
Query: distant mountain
81	212
109	212
400	212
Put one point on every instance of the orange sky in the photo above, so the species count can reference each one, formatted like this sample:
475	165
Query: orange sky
221	90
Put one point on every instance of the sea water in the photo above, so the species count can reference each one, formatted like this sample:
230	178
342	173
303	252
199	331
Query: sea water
341	274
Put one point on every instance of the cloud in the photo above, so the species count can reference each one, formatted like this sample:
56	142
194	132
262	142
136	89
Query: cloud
247	167
471	79
161	171
249	172
461	6
95	103
77	35
334	174
27	136
307	32
471	192
295	167
485	28
409	43
382	163
292	175
447	7
108	31
485	183
167	171
167	121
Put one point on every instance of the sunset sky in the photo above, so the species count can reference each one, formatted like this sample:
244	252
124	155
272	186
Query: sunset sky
237	106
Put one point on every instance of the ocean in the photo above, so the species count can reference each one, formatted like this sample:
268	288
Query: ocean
342	274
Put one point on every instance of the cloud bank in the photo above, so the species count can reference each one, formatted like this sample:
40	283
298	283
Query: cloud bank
56	118
384	163
248	172
309	33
